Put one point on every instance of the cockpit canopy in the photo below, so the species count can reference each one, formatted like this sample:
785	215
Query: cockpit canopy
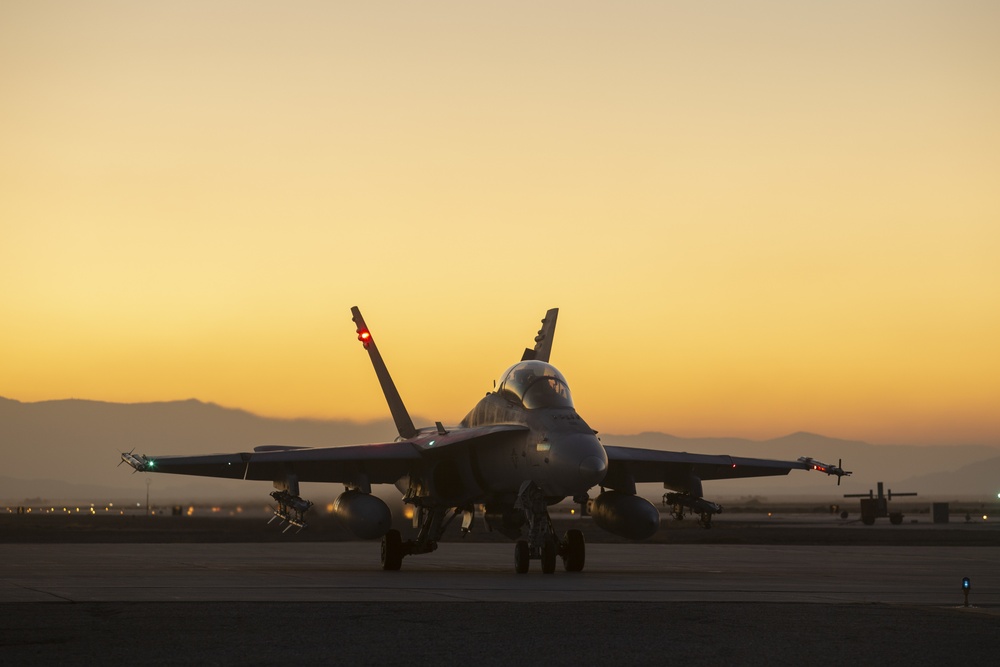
535	384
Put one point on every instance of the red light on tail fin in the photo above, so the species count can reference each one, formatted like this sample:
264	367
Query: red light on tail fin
364	336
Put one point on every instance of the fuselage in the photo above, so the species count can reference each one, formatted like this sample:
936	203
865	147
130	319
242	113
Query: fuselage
559	452
539	438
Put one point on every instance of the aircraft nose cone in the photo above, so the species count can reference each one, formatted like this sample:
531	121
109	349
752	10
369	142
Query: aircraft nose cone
593	468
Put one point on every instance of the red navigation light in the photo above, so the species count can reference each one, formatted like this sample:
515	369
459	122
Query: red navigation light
364	336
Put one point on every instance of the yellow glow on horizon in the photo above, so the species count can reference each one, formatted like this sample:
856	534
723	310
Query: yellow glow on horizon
755	220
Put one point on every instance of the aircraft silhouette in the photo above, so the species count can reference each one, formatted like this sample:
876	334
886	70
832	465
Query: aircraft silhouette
522	448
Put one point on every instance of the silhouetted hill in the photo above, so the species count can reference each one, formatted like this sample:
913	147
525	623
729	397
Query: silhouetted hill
59	449
56	443
982	475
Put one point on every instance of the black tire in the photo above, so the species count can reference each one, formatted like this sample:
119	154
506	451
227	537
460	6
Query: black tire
522	557
896	518
549	557
868	520
392	551
575	552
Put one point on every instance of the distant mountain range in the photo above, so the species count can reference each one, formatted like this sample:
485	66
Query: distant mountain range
69	450
935	471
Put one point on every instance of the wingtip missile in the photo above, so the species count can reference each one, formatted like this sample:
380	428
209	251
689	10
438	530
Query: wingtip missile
829	469
139	463
124	454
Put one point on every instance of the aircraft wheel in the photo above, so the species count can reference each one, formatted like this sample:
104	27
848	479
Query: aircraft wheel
522	556
896	518
392	550
549	557
575	552
868	520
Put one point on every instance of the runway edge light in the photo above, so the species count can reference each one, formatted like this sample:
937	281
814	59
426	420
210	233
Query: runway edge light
966	587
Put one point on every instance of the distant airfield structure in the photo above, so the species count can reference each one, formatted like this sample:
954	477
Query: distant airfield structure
873	507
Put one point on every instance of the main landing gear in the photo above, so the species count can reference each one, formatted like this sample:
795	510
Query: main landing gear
574	551
392	550
433	522
542	543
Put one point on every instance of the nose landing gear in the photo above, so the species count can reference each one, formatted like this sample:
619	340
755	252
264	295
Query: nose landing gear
572	550
542	543
522	556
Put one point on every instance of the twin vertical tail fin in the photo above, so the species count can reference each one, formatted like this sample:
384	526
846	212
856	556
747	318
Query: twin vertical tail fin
399	414
543	341
541	352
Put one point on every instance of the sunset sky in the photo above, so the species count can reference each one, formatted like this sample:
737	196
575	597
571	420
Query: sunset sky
755	218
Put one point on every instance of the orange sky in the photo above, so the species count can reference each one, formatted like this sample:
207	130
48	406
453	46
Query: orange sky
755	218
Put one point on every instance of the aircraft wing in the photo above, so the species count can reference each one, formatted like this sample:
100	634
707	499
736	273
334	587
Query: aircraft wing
676	469
382	463
379	463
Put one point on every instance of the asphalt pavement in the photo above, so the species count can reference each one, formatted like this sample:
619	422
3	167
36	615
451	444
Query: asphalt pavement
328	603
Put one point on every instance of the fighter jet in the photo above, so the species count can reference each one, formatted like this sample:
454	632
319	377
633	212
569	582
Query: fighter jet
520	450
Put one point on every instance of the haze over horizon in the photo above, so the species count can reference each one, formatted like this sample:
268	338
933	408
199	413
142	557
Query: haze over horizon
756	219
70	449
385	422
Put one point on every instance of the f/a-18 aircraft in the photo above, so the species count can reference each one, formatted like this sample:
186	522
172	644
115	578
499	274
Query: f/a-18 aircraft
521	449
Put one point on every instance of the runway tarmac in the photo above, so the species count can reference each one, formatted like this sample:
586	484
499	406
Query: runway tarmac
349	572
328	603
